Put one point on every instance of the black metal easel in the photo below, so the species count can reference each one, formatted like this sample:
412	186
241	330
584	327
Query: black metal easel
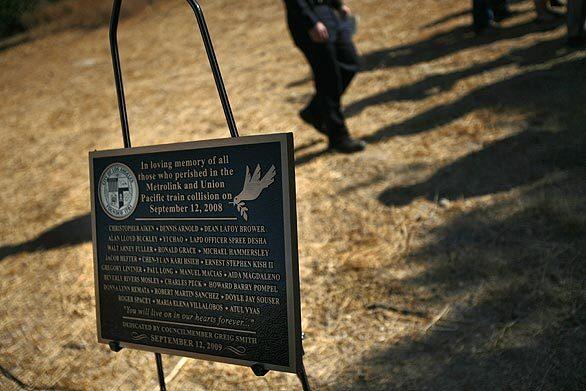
207	41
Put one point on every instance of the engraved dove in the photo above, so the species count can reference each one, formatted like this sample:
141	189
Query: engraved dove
253	186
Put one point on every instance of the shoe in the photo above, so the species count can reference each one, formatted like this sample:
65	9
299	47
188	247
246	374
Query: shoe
557	3
348	145
547	18
478	31
548	14
558	13
489	30
576	42
309	118
502	15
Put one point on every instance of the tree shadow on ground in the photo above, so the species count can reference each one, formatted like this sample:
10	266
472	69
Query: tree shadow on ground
512	276
536	54
550	141
69	233
466	12
444	114
448	18
444	44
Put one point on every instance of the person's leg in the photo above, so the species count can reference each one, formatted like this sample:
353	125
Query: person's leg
545	13
346	54
500	10
575	21
327	81
582	20
310	114
540	8
329	85
575	12
481	15
556	3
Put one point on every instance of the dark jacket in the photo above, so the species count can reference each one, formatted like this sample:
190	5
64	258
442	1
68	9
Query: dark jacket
302	10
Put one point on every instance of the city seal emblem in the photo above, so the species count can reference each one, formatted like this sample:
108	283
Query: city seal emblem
118	191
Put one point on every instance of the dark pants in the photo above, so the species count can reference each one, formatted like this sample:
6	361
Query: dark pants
576	18
333	64
483	12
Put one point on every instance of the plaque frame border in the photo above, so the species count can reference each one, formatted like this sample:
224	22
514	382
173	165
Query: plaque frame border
286	145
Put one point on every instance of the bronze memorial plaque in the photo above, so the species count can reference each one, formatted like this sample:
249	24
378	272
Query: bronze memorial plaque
195	250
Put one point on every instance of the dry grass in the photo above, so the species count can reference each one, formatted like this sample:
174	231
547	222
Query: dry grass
450	255
50	16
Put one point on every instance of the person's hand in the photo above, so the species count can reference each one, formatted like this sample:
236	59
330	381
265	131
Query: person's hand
319	33
345	11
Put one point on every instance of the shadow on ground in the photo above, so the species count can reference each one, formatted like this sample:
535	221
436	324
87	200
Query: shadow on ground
443	44
429	50
511	273
512	278
69	233
533	55
467	13
551	140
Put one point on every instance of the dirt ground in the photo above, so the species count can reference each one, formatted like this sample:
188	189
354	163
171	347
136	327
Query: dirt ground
448	256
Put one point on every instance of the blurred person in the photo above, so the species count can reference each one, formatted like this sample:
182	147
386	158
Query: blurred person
500	10
321	29
485	12
548	10
481	16
576	21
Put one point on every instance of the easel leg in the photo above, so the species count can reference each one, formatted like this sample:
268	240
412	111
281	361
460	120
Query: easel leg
303	378
160	372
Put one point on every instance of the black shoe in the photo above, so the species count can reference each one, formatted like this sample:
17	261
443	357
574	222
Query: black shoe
480	31
347	145
557	12
309	118
576	42
499	16
489	30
